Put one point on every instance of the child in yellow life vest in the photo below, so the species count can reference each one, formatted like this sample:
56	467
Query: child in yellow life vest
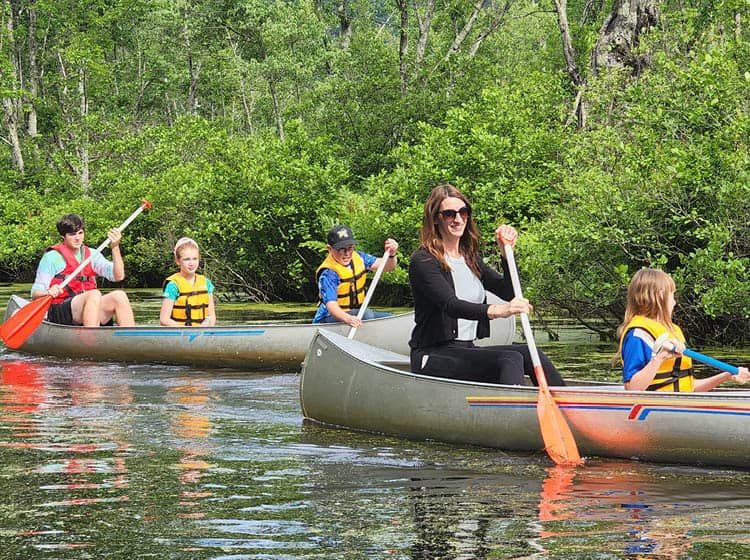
188	296
648	315
341	278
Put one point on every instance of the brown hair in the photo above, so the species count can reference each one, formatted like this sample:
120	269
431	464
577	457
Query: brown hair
430	236
647	296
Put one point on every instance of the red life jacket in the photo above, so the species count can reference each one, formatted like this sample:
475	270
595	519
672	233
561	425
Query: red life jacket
85	280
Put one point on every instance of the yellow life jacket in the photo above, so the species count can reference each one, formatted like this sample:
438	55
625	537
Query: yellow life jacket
674	374
191	306
351	292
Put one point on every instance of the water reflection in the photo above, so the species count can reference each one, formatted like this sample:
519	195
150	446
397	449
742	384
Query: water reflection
69	453
449	526
191	427
646	511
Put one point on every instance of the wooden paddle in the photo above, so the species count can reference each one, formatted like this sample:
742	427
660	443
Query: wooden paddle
558	439
370	291
25	321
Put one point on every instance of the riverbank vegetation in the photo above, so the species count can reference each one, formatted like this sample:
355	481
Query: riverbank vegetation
614	135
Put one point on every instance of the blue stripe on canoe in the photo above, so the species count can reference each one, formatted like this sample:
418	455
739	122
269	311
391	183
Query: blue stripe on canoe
648	410
191	334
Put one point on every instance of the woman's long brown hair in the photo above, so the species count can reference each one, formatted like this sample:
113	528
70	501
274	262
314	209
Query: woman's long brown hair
430	236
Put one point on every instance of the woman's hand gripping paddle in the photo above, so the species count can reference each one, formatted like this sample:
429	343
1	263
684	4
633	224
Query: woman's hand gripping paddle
25	321
558	439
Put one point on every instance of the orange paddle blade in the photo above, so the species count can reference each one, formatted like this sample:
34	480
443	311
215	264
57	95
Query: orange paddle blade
25	321
558	439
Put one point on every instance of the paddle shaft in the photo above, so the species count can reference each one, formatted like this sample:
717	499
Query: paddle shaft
370	290
559	442
697	356
145	204
708	360
527	332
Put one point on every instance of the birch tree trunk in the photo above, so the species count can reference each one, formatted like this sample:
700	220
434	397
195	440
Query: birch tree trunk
403	43
12	102
193	70
579	107
500	11
345	24
247	106
276	109
424	23
34	76
82	146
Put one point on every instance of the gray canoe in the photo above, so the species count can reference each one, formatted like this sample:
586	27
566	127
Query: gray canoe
247	347
350	384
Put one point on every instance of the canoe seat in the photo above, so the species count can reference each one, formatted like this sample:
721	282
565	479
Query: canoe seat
400	365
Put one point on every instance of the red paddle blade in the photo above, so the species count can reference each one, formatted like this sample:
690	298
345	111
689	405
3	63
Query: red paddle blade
558	439
24	322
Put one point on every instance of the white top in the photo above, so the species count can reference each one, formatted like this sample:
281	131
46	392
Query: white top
468	288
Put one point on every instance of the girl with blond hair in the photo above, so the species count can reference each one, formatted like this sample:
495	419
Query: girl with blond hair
188	299
652	366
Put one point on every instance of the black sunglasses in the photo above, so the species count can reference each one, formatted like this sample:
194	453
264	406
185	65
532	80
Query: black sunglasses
450	215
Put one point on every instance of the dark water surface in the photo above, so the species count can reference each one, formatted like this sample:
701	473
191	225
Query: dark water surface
138	461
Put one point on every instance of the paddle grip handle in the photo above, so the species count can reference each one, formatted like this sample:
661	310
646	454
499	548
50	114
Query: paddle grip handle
144	206
370	290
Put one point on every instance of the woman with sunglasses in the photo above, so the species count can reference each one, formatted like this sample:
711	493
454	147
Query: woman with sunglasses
449	281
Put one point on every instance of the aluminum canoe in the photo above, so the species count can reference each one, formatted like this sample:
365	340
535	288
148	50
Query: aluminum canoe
350	384
278	346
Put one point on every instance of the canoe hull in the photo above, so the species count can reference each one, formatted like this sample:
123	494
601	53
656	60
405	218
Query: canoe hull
349	384
259	347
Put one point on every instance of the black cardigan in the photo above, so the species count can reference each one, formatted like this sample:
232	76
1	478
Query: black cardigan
436	307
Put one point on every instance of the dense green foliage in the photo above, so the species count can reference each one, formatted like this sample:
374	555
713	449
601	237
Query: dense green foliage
254	126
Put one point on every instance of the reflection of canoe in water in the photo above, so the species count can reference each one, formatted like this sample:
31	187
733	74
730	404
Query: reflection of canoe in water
350	384
257	346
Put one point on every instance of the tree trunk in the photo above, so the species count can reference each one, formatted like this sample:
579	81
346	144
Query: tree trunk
464	32
620	34
83	143
13	86
737	26
143	83
345	24
569	53
276	110
10	122
194	68
32	127
247	106
424	24
403	44
561	6
497	18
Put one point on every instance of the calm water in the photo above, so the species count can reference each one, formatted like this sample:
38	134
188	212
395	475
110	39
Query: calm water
125	461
